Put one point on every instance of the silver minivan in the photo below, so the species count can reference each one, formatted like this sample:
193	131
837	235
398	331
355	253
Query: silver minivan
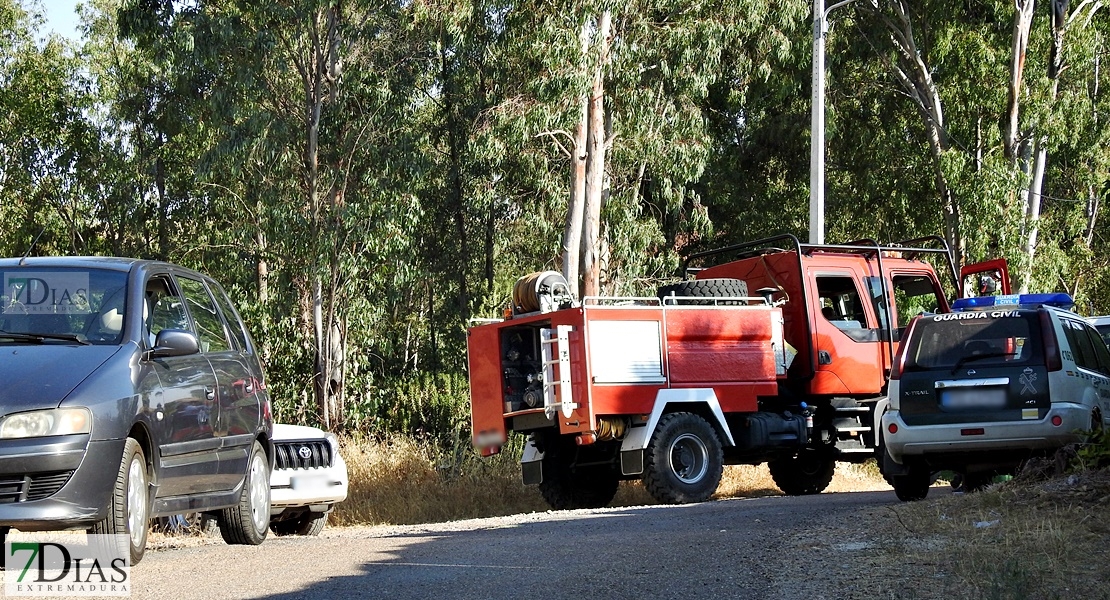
131	390
991	384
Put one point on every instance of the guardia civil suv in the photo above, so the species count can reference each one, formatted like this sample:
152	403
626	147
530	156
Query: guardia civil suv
985	387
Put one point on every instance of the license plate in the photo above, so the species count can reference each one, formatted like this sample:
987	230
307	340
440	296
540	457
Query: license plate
973	398
310	481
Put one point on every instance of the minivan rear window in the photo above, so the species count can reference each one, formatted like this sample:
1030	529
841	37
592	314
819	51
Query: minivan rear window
978	339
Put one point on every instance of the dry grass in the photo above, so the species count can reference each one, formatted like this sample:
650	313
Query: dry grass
403	481
1014	540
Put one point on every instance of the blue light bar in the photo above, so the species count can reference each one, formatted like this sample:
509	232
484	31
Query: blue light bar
1057	300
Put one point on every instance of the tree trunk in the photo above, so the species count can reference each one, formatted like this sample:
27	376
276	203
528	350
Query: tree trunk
319	72
572	233
916	79
1040	156
1011	135
1033	208
1091	214
595	168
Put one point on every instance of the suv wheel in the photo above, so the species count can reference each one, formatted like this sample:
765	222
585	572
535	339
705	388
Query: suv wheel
912	486
309	523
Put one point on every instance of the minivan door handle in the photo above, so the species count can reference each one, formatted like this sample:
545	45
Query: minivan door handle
209	393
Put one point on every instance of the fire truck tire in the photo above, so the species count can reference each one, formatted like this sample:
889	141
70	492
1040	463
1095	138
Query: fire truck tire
809	472
912	486
563	489
705	288
683	462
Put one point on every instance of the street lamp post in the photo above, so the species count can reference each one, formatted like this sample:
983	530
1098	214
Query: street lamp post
817	126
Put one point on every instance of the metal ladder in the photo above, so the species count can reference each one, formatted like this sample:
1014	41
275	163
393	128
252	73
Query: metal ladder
555	349
850	439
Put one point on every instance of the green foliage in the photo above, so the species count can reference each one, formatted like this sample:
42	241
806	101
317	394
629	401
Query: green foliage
403	172
433	407
1093	454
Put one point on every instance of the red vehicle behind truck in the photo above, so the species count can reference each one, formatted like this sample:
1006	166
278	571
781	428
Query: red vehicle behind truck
776	352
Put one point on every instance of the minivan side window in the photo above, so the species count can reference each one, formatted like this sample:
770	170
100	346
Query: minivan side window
165	308
233	322
210	327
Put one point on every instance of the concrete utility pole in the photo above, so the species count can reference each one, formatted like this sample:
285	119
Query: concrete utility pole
817	127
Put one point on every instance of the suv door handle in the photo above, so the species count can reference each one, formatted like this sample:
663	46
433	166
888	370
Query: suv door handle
209	393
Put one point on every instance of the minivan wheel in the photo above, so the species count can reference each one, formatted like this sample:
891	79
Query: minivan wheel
248	522
129	506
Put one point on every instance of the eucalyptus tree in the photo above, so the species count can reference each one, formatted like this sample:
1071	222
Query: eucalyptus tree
47	144
987	84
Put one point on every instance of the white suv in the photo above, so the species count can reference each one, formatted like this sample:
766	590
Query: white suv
981	389
309	478
1102	324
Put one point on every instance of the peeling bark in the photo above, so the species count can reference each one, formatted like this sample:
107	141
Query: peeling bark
572	234
595	167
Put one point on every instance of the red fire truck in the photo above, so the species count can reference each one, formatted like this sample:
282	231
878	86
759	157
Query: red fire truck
777	351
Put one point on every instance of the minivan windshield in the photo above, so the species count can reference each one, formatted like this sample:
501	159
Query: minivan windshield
43	305
975	339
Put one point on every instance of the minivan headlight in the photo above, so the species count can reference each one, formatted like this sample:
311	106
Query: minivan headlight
58	421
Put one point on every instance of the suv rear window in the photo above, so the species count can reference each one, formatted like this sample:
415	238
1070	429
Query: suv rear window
955	339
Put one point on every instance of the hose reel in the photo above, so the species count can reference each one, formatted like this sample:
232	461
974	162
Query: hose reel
542	291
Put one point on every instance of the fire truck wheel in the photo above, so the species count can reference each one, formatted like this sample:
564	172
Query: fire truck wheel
706	288
683	462
914	485
807	473
564	489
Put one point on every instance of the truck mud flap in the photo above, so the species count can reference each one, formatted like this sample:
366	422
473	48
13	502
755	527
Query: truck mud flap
531	464
632	462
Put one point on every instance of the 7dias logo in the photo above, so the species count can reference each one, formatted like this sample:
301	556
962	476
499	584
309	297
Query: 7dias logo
59	564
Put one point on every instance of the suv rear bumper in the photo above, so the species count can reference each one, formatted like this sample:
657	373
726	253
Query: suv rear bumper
948	442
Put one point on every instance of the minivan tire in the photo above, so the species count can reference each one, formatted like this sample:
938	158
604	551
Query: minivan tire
247	522
129	506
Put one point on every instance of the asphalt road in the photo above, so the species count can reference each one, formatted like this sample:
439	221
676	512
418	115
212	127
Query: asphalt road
766	548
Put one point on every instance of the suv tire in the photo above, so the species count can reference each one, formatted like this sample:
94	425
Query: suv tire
912	486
